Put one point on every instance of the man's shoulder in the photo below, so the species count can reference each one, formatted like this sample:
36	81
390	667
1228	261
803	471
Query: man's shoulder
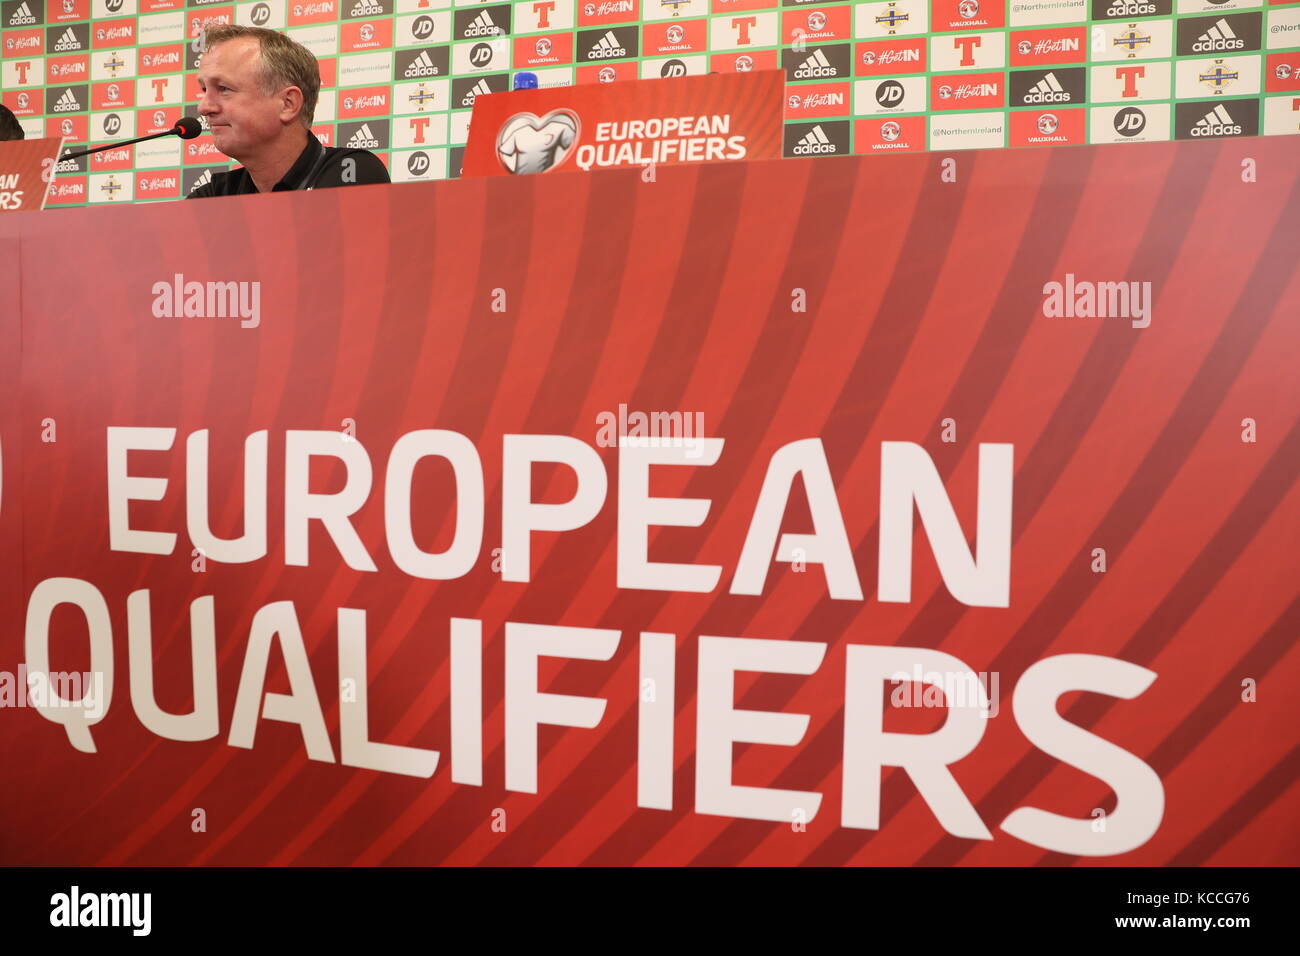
351	166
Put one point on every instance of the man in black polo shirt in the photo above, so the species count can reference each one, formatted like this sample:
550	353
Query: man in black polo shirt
257	91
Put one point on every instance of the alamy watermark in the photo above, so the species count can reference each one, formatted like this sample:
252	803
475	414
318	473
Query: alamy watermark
659	429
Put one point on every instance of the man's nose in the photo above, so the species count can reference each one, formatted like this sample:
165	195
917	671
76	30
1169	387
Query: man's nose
205	107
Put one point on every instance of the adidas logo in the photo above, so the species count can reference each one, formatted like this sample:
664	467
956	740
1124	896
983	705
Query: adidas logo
1131	8
67	103
481	26
22	16
67	41
479	87
1047	90
422	65
363	139
1217	122
607	47
814	66
1217	39
202	180
366	8
813	142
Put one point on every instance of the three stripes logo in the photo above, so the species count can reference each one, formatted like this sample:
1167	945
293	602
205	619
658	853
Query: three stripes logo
1048	87
68	42
1217	122
481	26
203	180
1047	90
816	65
814	142
422	65
1230	33
67	103
1217	39
22	15
363	138
827	138
478	88
607	47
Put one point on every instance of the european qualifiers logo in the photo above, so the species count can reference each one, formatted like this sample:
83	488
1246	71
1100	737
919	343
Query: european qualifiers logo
528	143
1216	120
482	23
465	88
830	62
1130	9
1231	33
612	43
824	138
1059	86
422	63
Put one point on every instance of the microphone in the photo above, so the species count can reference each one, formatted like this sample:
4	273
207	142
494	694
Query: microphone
187	127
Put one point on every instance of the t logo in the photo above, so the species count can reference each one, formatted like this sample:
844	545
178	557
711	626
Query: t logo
966	44
741	25
23	68
159	89
1130	75
544	11
418	125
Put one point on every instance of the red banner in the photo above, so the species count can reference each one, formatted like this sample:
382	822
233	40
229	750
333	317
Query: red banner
26	170
884	510
638	123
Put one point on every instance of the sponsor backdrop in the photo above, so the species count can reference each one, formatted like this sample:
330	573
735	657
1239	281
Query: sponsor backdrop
1034	429
865	77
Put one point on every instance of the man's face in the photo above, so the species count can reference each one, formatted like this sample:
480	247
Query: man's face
244	118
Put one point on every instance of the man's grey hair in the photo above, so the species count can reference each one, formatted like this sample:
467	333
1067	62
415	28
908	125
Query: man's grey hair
284	63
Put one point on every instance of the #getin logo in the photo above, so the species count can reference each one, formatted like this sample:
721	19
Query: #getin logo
527	143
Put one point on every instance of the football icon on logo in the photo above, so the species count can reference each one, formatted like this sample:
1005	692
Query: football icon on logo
529	144
1024	48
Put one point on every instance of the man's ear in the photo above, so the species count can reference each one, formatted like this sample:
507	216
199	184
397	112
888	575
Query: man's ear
290	104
